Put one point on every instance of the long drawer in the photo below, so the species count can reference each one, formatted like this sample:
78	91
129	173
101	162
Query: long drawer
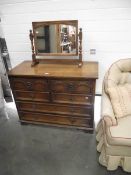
32	95
75	86
29	84
55	119
82	111
81	99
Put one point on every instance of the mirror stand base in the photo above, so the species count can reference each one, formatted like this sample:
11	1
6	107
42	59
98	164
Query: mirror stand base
80	64
34	63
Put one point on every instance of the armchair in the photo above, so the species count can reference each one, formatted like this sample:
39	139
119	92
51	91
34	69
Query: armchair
114	129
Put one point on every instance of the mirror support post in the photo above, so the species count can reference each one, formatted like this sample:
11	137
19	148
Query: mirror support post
34	61
80	47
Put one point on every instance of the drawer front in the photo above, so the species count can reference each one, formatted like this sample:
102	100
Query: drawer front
29	84
55	109
31	95
55	119
72	99
65	86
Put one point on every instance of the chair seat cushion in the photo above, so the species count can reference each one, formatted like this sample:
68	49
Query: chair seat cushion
120	134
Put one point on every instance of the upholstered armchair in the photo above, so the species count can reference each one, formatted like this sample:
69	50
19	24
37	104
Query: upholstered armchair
114	128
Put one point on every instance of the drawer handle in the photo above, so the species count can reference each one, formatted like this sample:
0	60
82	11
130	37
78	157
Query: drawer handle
71	99
70	87
29	85
86	98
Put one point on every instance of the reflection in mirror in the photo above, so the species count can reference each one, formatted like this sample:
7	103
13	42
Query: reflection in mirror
56	38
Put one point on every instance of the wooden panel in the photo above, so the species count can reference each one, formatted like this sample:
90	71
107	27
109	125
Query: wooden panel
81	99
55	108
29	95
29	84
66	86
55	119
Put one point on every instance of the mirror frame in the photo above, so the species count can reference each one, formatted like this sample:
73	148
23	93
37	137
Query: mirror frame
35	25
32	37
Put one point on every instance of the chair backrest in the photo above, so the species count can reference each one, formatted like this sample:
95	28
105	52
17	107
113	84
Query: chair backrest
119	73
117	84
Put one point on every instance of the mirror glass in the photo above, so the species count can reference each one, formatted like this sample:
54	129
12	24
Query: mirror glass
56	38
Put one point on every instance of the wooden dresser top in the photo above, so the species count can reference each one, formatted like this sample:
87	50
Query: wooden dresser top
88	70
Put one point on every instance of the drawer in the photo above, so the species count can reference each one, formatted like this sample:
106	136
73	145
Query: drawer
29	84
83	111
66	86
55	119
81	99
31	95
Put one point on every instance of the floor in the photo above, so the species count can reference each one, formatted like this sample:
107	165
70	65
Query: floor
41	150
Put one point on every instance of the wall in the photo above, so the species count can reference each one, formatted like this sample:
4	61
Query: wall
1	31
106	27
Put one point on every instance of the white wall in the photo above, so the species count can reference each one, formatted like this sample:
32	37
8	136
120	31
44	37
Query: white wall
106	27
1	31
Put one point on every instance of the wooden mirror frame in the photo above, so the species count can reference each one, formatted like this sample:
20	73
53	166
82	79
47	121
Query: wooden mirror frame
78	43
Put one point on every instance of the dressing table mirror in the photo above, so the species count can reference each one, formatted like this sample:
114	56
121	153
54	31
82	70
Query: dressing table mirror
56	38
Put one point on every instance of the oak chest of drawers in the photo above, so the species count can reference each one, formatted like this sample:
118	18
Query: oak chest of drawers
55	94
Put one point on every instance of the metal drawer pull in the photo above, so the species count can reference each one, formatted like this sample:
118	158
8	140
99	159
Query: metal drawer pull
29	84
70	87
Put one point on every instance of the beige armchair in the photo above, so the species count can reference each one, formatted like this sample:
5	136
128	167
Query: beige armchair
114	128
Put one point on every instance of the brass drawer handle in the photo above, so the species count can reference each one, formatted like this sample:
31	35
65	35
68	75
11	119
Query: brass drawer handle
29	85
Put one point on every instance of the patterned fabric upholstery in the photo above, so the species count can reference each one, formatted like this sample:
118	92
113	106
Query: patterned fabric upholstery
118	86
120	97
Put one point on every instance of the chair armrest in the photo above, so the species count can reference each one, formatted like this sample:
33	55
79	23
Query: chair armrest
107	112
109	120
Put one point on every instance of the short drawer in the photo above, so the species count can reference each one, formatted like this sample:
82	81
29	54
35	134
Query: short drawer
55	119
66	86
80	99
55	108
31	95
29	84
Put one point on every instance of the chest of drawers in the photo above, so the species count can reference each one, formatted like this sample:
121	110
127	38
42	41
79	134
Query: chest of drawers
59	95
